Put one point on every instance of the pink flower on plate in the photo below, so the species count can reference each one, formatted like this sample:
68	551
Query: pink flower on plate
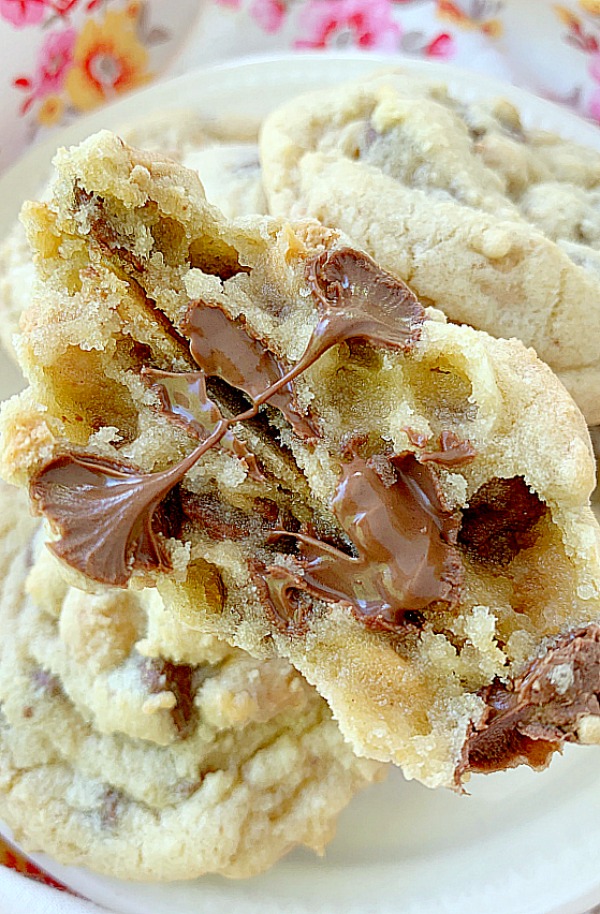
64	7
593	103
56	56
441	47
23	12
233	4
340	23
269	14
594	67
593	106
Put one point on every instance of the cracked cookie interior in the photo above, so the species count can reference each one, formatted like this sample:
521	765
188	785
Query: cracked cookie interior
306	461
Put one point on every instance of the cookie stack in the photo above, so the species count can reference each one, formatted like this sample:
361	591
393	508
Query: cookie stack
309	506
146	751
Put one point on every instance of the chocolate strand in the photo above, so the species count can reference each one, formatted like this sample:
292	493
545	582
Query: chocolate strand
185	402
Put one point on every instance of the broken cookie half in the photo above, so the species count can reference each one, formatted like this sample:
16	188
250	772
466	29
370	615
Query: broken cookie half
258	420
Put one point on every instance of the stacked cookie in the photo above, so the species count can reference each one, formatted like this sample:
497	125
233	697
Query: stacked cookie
274	463
146	751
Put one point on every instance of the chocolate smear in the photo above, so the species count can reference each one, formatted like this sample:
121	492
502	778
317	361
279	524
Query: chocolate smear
104	511
220	521
526	720
404	536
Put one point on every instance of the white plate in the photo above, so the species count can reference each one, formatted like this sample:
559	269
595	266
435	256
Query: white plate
523	843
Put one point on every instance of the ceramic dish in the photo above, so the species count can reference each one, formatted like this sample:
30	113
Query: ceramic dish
522	843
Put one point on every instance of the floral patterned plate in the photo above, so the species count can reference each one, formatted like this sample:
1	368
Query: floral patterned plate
523	843
62	58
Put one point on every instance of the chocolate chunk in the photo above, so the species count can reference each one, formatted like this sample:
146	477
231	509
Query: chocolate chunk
529	718
404	536
160	675
500	521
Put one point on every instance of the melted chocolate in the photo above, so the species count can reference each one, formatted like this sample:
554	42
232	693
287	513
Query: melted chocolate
357	300
404	536
224	348
501	521
107	513
451	452
528	719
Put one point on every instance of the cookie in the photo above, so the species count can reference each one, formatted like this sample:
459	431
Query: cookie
224	153
136	747
226	156
231	177
495	224
258	420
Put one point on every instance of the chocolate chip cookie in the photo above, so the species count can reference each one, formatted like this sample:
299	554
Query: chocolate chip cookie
263	423
143	750
495	224
225	156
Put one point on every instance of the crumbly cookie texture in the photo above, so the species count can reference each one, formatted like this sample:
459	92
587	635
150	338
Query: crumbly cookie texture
258	420
225	156
141	749
494	224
